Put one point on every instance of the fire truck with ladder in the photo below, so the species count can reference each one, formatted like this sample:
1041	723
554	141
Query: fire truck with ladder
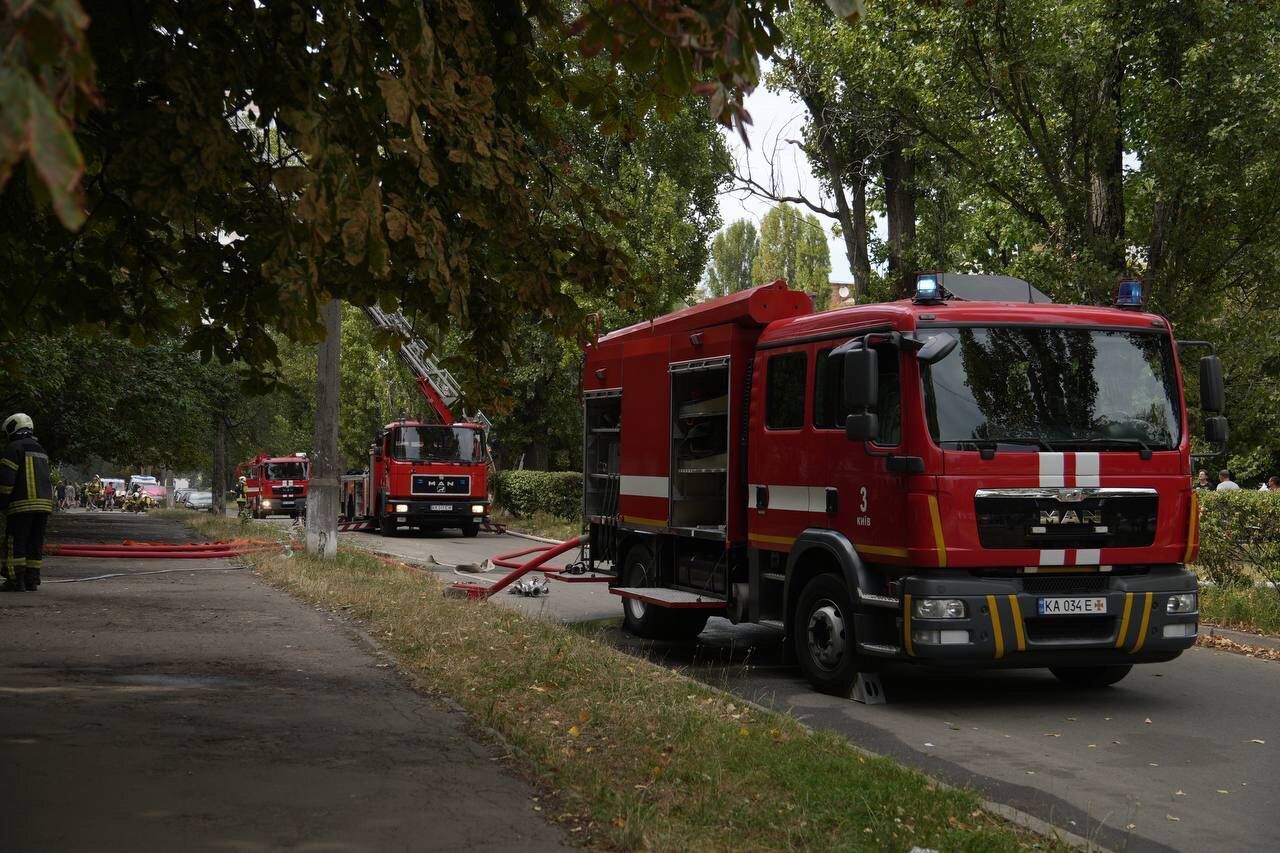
275	485
424	475
971	477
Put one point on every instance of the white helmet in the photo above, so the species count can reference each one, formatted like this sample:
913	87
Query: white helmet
15	423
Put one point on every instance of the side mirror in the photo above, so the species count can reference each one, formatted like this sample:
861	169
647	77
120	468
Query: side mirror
936	348
861	379
1216	431
1213	397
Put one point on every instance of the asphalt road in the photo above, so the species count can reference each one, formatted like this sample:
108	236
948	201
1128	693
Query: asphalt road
203	709
1167	759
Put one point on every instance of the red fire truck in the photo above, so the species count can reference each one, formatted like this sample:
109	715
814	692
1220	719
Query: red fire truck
971	477
424	475
275	485
429	476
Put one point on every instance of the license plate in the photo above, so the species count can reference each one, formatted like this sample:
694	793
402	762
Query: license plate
1083	606
441	507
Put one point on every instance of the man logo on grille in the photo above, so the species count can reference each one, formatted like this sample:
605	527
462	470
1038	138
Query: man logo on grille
1071	516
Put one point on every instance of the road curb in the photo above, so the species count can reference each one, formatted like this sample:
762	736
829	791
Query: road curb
1242	637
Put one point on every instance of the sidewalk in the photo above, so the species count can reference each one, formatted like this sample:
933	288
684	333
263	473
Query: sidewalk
201	708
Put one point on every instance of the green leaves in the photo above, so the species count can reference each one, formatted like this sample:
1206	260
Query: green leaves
46	77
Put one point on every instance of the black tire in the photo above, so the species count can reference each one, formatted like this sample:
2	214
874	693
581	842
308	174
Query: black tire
823	636
386	526
644	620
471	529
351	507
639	570
1092	677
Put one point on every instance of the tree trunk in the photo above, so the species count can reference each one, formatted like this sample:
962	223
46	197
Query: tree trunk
219	486
900	202
323	489
851	210
1105	208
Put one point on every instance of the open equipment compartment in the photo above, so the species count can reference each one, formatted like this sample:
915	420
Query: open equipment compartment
602	437
700	446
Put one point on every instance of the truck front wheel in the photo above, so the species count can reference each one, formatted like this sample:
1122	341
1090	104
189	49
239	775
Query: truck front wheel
1091	676
823	634
471	529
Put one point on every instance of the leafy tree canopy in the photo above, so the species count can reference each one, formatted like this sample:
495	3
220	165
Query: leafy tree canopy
794	246
733	254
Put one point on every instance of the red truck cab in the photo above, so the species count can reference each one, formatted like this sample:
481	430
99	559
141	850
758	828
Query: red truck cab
429	476
276	485
949	482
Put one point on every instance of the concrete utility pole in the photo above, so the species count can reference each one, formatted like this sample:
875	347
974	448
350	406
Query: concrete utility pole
323	491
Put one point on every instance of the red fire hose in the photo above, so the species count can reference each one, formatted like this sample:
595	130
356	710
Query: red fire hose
159	550
476	591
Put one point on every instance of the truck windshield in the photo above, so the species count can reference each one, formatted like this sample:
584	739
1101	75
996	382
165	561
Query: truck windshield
286	470
1035	388
438	444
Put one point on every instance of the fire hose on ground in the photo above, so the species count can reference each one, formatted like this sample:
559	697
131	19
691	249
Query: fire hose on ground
476	592
160	550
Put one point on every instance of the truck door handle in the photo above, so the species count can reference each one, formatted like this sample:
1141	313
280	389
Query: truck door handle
833	501
762	498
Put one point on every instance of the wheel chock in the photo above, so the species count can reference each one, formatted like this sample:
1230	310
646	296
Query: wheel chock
867	689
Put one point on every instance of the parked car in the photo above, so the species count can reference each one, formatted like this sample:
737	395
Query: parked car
195	499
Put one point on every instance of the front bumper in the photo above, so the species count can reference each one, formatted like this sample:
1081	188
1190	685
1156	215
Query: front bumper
1002	625
446	512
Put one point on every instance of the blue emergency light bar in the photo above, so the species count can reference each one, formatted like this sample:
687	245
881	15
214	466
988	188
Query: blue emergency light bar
928	288
1131	293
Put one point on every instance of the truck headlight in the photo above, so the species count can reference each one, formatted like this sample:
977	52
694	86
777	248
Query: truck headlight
1182	602
477	508
938	608
266	504
402	507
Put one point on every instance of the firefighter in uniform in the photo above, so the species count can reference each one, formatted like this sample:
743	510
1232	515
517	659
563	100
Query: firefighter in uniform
26	498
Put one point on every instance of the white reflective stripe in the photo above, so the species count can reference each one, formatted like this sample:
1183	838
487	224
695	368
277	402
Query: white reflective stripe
637	486
791	498
1051	470
1087	470
1053	558
1088	557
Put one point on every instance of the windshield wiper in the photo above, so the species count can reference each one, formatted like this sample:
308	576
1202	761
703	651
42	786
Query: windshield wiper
1144	450
987	446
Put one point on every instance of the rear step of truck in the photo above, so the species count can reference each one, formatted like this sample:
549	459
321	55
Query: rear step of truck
676	599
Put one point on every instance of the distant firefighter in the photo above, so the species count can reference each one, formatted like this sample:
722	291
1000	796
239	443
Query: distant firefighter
26	498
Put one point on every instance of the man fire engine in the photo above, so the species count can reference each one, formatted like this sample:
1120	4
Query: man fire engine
425	475
429	476
275	485
970	477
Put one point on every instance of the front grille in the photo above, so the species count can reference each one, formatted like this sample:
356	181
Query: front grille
1008	521
286	491
1070	628
1066	584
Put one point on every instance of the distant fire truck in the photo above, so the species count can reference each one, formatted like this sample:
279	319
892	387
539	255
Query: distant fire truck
425	475
275	485
970	477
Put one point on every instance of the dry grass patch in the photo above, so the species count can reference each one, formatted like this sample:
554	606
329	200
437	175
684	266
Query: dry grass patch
642	756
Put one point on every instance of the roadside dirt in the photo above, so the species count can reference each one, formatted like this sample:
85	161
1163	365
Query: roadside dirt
200	708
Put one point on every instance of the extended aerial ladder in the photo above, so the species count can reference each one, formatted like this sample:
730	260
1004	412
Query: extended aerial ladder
435	382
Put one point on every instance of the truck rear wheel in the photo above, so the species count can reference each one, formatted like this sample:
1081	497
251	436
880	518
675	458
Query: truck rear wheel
639	569
1091	676
823	634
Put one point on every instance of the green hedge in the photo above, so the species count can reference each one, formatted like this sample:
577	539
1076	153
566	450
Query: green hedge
523	493
1239	532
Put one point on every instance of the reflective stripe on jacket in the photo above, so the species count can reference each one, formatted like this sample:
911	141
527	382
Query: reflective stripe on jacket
25	484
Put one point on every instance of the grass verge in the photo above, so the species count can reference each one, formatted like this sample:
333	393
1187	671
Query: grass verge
1255	609
638	755
542	524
